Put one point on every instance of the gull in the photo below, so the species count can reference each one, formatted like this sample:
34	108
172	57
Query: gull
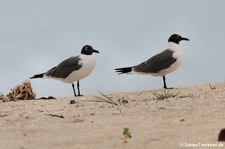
161	64
72	69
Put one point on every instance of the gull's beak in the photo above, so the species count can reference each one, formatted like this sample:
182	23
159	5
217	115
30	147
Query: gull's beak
95	51
184	39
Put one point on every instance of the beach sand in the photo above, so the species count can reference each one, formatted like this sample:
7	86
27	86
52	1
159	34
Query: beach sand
193	116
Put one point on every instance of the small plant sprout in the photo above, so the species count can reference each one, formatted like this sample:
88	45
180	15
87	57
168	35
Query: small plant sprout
164	95
212	87
107	99
184	96
123	101
126	133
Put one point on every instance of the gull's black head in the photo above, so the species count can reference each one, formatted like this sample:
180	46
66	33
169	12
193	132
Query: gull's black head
88	50
176	38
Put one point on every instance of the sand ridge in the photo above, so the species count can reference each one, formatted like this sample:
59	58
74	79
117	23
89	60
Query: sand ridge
195	115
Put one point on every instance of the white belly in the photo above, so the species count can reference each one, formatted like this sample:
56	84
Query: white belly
177	55
88	65
172	68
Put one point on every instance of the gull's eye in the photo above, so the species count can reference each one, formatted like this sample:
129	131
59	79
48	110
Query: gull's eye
178	37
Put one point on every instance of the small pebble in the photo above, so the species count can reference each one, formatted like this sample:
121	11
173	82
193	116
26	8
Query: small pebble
221	136
162	108
72	102
47	98
51	97
92	114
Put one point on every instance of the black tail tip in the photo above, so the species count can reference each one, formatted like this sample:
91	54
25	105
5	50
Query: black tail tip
123	70
37	76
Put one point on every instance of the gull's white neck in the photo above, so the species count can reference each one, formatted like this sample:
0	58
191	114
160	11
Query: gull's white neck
178	52
175	47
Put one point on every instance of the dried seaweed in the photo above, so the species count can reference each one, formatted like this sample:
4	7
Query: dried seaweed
22	91
55	115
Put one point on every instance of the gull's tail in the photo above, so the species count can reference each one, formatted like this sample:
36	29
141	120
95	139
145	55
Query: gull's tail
124	70
41	75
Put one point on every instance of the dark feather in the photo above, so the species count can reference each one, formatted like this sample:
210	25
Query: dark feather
123	70
38	76
158	62
65	68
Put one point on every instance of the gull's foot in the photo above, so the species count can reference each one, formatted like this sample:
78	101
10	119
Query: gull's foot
168	87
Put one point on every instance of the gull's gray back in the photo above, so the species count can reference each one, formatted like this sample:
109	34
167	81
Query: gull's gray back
65	68
156	63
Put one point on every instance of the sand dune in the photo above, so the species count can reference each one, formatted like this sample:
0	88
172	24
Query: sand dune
191	116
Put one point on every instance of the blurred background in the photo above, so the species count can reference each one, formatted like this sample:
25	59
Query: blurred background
37	35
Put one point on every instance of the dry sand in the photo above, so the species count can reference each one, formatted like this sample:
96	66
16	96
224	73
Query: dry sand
195	115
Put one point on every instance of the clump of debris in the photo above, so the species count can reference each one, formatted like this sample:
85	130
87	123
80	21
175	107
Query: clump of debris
3	98
20	92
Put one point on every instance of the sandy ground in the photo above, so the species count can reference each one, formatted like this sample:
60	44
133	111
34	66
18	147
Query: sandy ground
193	117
